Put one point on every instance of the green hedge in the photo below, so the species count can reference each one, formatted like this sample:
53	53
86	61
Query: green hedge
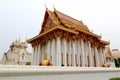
115	78
28	63
117	62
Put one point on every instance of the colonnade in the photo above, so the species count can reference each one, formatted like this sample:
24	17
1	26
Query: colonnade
64	52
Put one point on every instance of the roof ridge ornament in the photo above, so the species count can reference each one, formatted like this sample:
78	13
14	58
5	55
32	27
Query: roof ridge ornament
54	7
109	42
19	39
45	6
92	31
100	35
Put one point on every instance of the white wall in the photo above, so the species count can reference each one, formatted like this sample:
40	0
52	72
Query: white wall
57	73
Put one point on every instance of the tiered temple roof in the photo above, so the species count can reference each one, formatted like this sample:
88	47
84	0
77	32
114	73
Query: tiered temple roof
59	21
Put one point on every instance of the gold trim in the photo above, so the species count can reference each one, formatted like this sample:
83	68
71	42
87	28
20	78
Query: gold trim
52	29
105	42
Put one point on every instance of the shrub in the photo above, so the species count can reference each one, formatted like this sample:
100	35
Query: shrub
117	62
28	63
115	78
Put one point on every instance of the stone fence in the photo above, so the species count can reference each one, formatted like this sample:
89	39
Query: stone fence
16	72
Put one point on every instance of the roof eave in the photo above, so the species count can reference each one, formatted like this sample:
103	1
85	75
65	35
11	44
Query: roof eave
52	29
105	42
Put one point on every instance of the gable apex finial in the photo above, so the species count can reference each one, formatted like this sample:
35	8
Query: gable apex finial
101	35
45	6
54	7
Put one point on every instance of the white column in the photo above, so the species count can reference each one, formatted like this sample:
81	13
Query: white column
42	52
90	55
65	51
53	51
33	56
74	52
86	54
92	52
99	56
80	45
38	55
102	59
97	59
78	52
58	52
83	54
48	49
62	51
69	52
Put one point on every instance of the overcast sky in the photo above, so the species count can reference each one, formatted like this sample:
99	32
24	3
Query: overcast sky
23	18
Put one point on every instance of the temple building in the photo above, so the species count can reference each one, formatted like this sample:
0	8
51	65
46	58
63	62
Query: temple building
115	53
67	42
109	57
17	54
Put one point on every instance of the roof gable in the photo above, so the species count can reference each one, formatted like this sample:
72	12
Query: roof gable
69	20
49	19
61	19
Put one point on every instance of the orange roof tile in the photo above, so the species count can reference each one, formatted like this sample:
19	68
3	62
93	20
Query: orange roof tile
71	20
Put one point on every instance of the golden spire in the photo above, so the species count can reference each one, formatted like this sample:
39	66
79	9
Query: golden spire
16	40
19	39
12	43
